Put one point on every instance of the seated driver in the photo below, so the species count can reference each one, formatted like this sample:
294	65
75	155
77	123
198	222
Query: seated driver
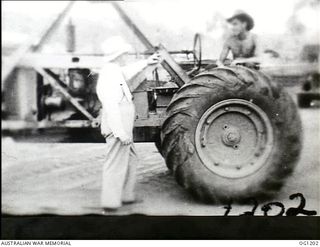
242	44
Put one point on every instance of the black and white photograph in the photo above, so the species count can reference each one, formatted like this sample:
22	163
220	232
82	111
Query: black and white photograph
167	111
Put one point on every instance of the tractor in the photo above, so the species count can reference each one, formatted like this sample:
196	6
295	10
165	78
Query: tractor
310	89
225	133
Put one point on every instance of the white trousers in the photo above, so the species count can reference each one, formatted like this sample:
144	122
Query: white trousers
119	173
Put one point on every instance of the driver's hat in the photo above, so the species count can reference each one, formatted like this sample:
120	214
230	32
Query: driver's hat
243	16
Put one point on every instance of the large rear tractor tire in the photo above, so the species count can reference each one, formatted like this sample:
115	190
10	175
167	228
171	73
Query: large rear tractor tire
231	134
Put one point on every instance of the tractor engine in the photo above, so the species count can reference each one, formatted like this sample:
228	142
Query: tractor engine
80	84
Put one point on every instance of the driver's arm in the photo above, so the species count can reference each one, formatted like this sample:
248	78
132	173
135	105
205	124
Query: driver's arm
224	54
258	50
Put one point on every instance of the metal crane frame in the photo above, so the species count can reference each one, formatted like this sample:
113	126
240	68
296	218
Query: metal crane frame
28	55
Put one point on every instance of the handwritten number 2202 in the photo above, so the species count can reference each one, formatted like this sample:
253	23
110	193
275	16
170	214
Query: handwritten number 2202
269	206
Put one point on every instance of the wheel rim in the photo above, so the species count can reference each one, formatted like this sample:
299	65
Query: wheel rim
234	138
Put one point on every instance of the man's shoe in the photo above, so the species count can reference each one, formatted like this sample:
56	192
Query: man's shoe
109	210
132	201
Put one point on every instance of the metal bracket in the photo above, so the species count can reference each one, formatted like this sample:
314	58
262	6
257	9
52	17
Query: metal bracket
179	75
168	63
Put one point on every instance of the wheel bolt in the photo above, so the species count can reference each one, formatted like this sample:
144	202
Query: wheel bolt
226	109
202	142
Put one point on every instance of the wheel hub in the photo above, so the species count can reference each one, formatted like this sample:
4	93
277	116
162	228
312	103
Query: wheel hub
230	136
234	138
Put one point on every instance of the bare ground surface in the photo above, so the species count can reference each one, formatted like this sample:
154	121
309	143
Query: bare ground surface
65	178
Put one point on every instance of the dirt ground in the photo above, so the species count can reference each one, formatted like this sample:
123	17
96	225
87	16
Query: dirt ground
65	178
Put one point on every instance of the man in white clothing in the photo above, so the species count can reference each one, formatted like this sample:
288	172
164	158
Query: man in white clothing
118	113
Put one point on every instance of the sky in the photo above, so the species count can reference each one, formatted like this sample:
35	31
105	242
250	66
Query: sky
204	16
270	15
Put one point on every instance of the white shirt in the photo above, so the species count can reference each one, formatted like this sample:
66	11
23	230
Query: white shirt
117	107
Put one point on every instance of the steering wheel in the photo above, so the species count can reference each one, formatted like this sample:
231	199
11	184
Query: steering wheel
197	51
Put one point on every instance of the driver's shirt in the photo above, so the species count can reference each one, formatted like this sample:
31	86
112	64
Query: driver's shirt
117	107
